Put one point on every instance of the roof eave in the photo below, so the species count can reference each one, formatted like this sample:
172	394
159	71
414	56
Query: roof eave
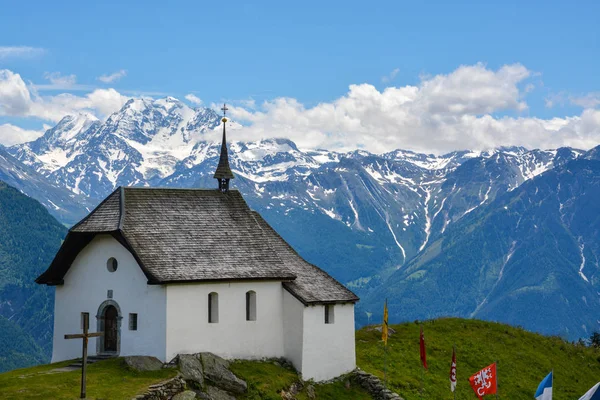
221	280
353	300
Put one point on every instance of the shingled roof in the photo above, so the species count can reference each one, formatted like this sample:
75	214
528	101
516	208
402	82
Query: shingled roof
312	284
193	235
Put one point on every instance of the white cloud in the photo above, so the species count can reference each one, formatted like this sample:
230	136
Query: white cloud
14	95
112	77
391	76
56	78
193	99
17	99
590	100
7	52
472	107
442	113
561	99
11	134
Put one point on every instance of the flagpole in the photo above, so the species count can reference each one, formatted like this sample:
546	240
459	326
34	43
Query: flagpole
421	334
422	379
497	380
385	334
385	365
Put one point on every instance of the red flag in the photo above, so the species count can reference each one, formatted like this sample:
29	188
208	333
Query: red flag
453	371
485	381
422	348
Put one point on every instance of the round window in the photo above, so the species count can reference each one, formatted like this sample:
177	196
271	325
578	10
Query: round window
112	264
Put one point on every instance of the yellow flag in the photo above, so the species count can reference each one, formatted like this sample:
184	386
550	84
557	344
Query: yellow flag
384	327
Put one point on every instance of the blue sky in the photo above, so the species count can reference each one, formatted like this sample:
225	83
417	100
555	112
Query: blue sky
310	51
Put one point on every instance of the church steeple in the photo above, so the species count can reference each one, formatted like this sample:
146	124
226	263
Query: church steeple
223	173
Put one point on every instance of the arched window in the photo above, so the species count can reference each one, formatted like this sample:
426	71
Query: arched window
329	314
251	305
213	308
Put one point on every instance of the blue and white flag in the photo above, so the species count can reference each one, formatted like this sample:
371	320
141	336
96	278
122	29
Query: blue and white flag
592	394
544	391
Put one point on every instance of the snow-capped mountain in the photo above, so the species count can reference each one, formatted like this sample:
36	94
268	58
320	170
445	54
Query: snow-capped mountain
140	144
391	204
365	217
63	204
530	258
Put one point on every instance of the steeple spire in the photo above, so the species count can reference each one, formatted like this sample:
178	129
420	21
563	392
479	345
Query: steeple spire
223	173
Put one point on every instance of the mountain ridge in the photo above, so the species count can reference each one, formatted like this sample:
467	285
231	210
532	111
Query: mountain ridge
530	258
365	216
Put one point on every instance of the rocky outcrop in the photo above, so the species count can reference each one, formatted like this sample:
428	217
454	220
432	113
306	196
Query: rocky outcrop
216	370
143	363
373	385
218	394
186	395
191	369
208	376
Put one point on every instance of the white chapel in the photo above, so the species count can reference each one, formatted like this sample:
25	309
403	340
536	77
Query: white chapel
162	272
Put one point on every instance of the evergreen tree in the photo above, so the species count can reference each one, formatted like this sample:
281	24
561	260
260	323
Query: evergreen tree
595	340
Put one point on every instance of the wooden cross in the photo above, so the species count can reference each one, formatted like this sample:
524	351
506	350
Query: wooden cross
85	336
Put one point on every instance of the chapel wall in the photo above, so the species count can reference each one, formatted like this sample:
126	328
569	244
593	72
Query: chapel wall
188	329
293	329
328	349
85	288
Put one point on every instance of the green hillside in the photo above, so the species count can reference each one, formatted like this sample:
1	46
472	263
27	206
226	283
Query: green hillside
112	379
29	239
17	348
109	379
524	359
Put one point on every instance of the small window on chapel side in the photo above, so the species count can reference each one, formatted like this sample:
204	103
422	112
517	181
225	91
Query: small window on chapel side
133	322
329	314
213	308
251	306
85	318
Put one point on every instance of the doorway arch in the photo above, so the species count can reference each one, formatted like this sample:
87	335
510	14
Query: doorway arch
108	321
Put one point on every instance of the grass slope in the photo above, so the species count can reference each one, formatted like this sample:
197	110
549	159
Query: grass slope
110	379
266	380
524	359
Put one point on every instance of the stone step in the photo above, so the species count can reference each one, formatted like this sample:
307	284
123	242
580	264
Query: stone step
90	360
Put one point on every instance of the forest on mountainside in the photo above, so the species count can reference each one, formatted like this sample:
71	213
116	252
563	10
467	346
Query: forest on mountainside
29	239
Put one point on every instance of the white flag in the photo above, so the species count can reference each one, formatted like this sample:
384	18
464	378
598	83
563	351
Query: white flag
544	390
453	372
592	394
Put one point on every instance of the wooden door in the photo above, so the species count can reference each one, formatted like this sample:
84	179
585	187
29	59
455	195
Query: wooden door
110	329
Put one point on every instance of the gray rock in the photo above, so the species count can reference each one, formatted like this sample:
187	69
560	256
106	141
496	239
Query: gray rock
203	396
209	360
191	369
143	363
218	394
187	395
217	372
